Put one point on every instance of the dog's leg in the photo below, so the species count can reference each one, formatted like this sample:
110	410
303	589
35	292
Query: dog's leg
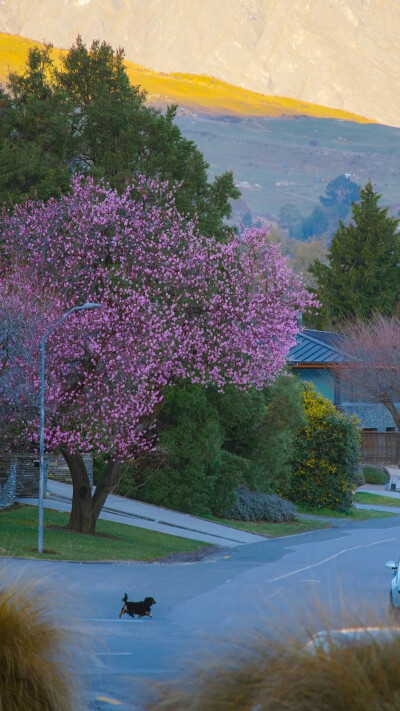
122	611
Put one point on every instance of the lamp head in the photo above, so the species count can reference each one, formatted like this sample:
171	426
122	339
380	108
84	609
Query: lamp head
88	305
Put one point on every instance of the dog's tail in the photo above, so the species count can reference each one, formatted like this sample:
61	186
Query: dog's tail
125	598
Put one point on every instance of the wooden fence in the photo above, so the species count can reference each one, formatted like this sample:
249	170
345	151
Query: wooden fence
381	448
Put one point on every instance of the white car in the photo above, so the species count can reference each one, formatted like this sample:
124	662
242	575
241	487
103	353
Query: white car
348	637
394	595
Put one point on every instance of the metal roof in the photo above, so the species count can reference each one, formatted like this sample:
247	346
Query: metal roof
316	347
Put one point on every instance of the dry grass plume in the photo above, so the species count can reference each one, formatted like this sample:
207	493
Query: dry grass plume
278	675
36	654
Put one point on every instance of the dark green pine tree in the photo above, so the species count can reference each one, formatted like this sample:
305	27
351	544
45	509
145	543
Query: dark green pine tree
362	275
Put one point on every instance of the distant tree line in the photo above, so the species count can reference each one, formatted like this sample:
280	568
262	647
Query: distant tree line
335	205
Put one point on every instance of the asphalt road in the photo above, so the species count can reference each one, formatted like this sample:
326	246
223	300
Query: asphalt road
210	607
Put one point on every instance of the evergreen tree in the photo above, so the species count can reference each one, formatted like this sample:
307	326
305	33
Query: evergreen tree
35	140
362	275
87	117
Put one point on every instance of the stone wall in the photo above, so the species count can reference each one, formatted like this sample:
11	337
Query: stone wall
58	469
28	471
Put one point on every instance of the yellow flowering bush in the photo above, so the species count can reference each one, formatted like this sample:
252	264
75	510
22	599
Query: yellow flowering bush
326	456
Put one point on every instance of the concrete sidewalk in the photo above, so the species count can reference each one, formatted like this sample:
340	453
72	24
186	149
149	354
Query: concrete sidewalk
138	513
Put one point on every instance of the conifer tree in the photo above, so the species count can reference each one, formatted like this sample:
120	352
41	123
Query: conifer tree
362	275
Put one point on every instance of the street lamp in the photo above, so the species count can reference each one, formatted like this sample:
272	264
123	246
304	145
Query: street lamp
41	421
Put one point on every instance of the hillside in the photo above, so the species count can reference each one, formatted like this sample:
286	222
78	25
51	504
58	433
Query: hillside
338	53
199	93
276	160
279	161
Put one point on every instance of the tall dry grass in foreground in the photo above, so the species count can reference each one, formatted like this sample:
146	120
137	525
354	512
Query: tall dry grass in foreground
283	677
36	667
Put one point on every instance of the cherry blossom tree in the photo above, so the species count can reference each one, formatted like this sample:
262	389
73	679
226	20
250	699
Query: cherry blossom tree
24	315
175	305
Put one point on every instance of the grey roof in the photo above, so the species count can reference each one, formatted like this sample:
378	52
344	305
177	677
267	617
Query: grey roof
316	347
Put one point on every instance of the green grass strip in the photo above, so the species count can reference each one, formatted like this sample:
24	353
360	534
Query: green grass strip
274	530
363	497
113	541
353	515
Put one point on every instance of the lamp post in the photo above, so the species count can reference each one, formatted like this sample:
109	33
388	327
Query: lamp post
41	419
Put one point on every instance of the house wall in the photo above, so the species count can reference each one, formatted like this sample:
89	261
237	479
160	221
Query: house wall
321	377
371	415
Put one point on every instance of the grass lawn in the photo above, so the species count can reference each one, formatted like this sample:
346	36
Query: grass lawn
354	515
362	497
114	541
274	530
118	541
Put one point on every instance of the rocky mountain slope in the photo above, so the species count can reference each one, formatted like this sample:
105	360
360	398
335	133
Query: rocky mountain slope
339	53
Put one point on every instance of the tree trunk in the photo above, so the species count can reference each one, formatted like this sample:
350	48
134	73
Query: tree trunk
85	507
389	404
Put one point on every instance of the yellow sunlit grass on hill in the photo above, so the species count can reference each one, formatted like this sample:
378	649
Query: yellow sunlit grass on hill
201	93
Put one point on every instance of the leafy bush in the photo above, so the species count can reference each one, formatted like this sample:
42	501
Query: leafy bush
261	428
375	476
284	416
210	442
326	456
360	479
189	471
255	506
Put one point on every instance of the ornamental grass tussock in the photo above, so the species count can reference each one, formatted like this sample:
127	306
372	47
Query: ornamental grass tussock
279	675
37	668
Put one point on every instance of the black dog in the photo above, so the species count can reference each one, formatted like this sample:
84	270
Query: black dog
137	608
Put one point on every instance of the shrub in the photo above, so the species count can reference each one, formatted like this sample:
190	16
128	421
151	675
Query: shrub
326	456
255	506
36	670
284	416
375	476
260	427
360	479
189	471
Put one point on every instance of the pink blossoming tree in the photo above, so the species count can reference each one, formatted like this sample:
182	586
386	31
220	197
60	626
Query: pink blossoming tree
174	305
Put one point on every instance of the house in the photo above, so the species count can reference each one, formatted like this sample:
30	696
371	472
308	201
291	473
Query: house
314	358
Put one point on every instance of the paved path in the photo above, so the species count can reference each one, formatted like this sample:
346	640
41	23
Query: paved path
155	518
